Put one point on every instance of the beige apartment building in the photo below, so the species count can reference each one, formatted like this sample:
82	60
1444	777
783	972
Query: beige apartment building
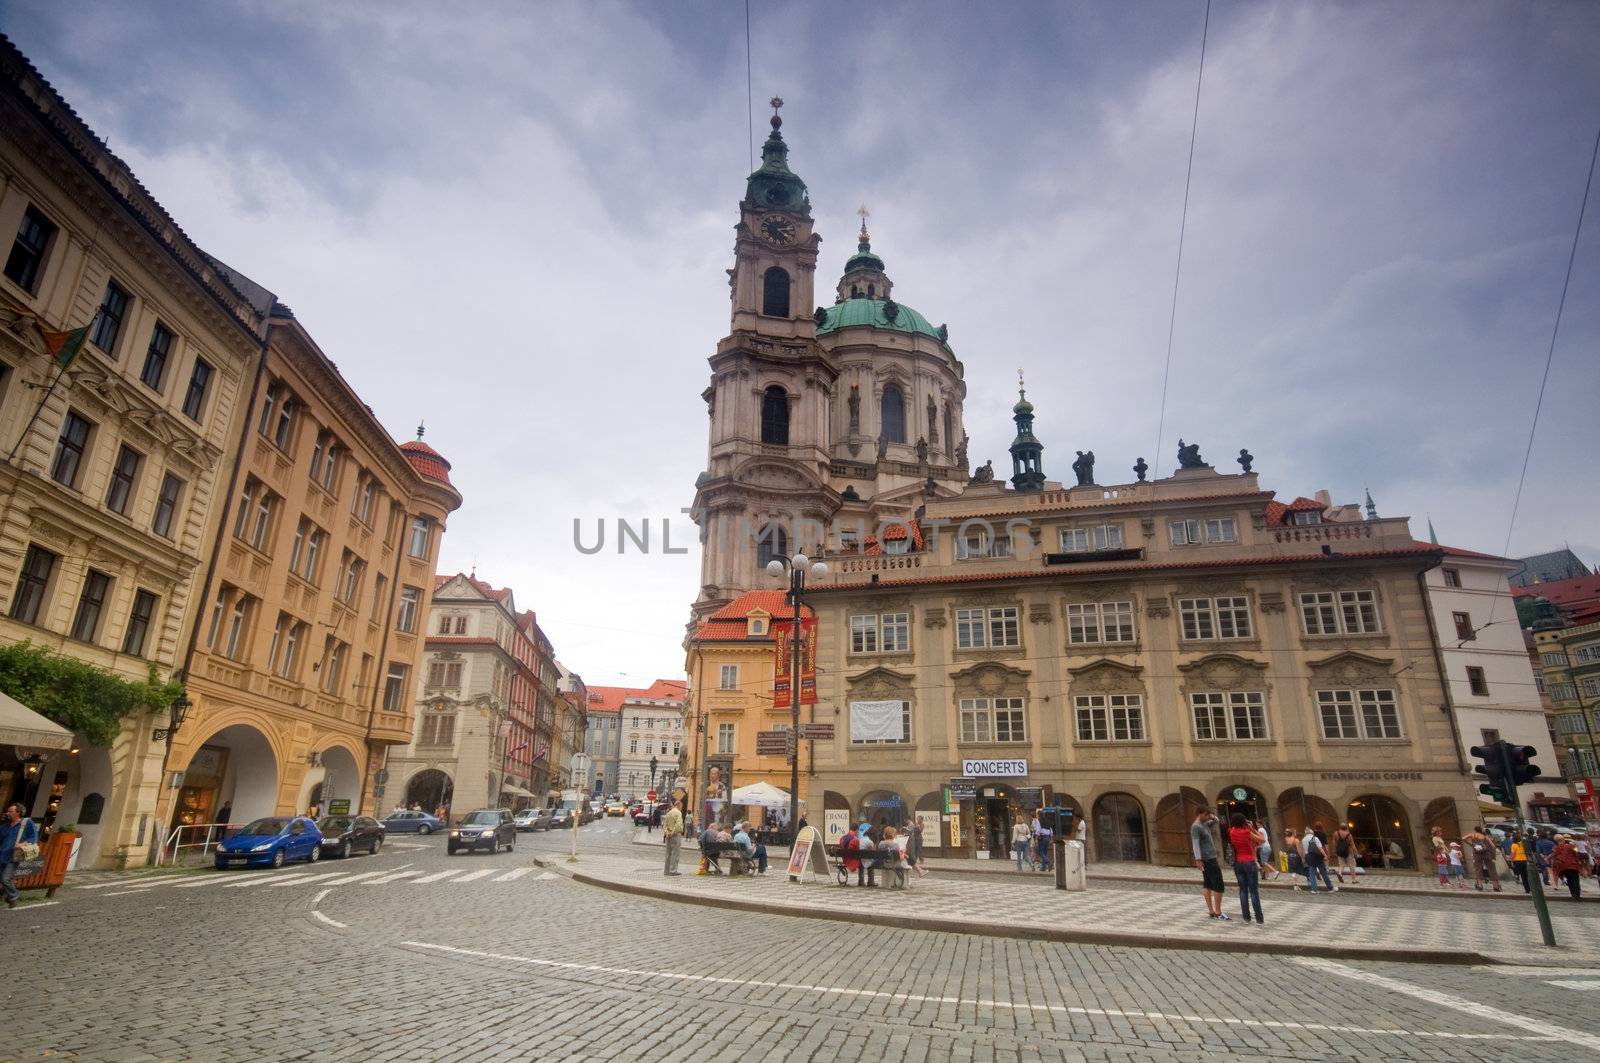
304	660
116	468
1131	652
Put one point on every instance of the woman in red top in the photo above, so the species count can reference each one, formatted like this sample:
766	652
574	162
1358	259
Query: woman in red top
1568	866
1246	843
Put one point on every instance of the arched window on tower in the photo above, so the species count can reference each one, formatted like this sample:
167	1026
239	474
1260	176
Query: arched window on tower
775	416
772	544
892	419
775	293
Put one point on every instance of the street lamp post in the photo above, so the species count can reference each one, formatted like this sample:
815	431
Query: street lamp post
797	566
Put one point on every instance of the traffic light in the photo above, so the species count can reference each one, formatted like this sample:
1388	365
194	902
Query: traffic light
1492	766
1520	760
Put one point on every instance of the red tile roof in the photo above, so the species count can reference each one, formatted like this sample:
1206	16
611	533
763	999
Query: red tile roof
1456	551
894	533
499	594
1118	567
1563	591
731	624
611	699
428	462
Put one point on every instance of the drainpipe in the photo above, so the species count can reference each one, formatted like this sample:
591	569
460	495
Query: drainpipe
1444	676
223	521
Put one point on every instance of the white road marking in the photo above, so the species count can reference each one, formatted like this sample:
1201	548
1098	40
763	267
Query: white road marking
300	880
129	879
359	877
1588	984
514	873
330	922
394	877
253	881
318	898
43	904
1535	972
547	875
1455	1003
435	877
408	845
1133	1013
124	893
471	875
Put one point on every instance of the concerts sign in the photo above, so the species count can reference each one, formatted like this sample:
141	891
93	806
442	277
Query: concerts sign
994	769
783	658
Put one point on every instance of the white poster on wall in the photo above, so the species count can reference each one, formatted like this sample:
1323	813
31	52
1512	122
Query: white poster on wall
877	721
837	823
928	820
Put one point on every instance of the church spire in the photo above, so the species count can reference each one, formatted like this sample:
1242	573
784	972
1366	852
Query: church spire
1372	510
864	276
773	185
1026	450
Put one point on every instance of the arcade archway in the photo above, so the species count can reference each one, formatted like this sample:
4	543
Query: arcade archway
429	789
231	778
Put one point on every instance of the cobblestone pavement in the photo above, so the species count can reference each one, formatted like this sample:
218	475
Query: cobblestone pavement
1167	907
415	955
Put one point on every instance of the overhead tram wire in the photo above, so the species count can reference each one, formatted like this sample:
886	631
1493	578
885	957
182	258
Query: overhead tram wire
749	93
1183	224
1549	358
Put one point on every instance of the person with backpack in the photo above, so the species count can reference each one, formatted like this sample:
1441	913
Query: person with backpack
1293	861
1482	848
19	840
1344	852
1315	856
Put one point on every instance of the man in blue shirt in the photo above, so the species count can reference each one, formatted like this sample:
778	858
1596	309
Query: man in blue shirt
752	850
14	829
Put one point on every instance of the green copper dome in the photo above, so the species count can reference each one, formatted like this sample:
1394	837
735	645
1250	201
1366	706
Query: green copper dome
864	311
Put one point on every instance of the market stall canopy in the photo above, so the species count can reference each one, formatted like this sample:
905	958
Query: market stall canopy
21	726
512	788
761	793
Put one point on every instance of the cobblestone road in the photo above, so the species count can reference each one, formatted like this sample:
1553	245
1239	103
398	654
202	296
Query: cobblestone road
415	955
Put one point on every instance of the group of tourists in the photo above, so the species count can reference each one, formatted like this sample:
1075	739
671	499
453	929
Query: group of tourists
1536	851
1031	838
867	848
1313	853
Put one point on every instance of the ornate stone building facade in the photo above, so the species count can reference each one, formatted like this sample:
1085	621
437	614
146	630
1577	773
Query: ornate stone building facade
115	468
304	658
1127	651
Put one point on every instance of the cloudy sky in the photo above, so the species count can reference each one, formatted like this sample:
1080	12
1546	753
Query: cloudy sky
512	221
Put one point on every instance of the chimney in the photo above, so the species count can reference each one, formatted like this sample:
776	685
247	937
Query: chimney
1324	497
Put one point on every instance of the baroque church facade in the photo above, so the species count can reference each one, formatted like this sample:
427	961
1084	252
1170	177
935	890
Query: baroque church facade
827	421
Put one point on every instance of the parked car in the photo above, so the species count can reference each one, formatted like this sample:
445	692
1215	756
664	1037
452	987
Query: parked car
531	819
484	828
412	823
560	819
650	813
616	808
343	834
272	841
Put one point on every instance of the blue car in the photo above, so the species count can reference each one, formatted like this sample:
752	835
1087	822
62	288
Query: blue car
272	842
408	822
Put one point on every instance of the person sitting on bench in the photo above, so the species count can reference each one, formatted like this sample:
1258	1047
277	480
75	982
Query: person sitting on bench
750	850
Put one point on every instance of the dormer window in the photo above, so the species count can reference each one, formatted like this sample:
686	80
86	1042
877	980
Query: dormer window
758	625
1308	517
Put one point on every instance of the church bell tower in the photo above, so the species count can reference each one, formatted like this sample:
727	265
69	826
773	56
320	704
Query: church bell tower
765	490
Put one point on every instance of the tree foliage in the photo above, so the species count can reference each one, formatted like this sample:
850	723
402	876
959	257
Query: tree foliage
79	696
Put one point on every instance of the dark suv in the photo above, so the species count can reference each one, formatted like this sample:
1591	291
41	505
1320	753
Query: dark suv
484	828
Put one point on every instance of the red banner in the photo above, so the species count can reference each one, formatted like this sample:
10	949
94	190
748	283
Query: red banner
783	641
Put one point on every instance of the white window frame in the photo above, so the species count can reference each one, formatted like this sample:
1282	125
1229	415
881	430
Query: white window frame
1222	530
984	719
880	633
1352	612
1229	716
728	677
1222	619
1360	714
1100	623
1107	718
1184	532
727	738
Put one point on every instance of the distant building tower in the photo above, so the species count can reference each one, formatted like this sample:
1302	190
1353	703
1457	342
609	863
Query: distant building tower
1372	509
1026	450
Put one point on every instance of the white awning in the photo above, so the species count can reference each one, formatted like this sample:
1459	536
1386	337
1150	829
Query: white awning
761	793
512	788
21	726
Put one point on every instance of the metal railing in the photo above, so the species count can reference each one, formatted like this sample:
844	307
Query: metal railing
201	836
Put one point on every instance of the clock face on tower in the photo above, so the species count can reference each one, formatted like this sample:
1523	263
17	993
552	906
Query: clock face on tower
776	228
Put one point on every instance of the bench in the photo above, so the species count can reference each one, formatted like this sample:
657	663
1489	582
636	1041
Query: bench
872	861
738	862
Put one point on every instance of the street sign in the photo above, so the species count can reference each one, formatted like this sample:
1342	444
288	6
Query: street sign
772	743
963	789
1030	796
820	732
339	806
650	795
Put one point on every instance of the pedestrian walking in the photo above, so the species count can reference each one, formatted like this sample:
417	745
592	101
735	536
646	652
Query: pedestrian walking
19	838
672	834
1483	870
1294	857
1518	852
914	847
1441	864
1543	849
1264	855
1042	844
1568	866
1458	865
1344	852
1021	841
1246	842
1204	847
1315	855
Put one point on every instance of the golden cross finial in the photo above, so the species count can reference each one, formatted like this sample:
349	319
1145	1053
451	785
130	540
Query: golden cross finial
1019	378
862	212
776	102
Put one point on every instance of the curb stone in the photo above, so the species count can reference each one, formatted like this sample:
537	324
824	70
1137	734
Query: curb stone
1133	939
